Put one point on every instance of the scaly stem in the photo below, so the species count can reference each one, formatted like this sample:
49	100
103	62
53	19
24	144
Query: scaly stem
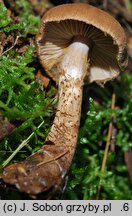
64	131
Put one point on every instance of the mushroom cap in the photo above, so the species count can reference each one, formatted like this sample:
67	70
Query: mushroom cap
60	25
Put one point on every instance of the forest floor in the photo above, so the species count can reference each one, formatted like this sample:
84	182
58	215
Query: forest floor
28	105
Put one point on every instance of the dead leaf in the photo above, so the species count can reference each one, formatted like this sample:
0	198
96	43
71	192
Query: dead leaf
43	78
2	42
23	49
6	127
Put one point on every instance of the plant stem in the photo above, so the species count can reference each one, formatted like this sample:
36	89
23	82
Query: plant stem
24	142
107	143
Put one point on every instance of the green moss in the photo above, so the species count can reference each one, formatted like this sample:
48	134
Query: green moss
25	104
4	19
22	99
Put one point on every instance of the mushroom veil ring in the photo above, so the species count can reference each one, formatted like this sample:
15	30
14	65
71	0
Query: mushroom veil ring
76	43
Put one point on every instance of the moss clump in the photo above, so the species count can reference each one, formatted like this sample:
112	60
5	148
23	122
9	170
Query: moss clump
25	104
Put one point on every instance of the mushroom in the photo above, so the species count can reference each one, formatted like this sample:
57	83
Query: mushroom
76	43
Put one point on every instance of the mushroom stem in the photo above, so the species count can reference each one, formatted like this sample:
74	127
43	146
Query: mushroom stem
64	131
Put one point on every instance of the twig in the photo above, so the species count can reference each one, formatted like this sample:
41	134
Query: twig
53	159
15	42
107	143
109	136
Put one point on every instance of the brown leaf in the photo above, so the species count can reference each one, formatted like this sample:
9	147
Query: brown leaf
43	78
6	127
23	49
2	41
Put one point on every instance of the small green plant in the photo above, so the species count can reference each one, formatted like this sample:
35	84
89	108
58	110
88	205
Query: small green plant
22	100
4	19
